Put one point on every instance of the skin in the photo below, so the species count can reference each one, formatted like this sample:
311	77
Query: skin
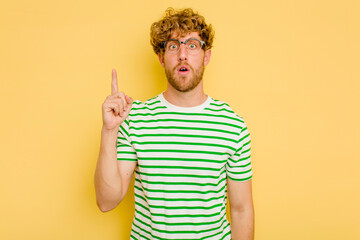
241	209
112	177
195	95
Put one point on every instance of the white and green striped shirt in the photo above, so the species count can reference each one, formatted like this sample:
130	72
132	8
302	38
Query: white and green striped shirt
184	156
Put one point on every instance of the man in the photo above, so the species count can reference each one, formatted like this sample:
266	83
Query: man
188	151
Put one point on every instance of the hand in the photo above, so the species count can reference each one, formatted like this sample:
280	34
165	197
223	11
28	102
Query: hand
116	107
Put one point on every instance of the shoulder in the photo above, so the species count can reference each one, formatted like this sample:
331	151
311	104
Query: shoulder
223	108
148	107
149	104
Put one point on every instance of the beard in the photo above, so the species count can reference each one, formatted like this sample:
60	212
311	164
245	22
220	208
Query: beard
180	83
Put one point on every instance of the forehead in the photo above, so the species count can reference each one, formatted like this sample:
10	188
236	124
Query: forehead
180	36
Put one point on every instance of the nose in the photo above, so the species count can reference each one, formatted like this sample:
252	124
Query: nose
182	54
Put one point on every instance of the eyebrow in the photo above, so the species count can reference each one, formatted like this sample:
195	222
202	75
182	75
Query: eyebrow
184	40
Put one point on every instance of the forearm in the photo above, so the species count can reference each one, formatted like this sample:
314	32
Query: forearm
107	177
242	224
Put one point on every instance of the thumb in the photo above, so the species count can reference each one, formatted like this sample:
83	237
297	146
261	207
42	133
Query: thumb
128	106
129	100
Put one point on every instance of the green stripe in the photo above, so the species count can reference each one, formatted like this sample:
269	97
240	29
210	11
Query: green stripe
177	207
242	166
219	105
247	150
142	236
147	108
142	229
185	199
121	138
234	158
180	231
239	160
228	232
219	110
182	159
241	139
123	145
152	103
137	102
181	215
179	167
182	151
185	128
127	159
183	183
182	135
123	129
150	99
125	152
245	158
185	121
176	191
185	114
180	223
241	179
180	175
240	149
183	143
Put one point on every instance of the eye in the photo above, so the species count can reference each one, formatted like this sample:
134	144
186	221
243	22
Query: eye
173	46
192	46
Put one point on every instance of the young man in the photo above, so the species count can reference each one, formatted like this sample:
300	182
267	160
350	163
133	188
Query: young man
188	150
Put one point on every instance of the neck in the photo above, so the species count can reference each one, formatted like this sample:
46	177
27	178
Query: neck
191	98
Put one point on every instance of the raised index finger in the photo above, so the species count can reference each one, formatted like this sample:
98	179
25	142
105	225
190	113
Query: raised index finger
114	83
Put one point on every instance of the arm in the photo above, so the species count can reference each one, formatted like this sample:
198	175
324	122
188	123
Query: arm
241	209
112	177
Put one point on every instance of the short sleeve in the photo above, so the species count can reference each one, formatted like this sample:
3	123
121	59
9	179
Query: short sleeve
238	166
125	151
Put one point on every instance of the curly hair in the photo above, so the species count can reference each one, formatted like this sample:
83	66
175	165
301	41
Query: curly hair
180	22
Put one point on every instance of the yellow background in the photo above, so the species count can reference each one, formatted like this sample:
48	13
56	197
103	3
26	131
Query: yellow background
290	68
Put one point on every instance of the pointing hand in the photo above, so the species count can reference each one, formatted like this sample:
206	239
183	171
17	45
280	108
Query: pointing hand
116	106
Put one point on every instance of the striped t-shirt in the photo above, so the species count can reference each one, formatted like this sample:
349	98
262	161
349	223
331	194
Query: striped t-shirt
184	155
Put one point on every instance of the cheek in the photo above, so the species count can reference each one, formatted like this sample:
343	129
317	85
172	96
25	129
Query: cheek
169	61
197	62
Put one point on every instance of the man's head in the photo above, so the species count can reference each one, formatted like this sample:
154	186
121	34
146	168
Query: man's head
182	40
180	22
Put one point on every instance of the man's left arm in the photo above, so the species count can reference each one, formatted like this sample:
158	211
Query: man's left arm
241	209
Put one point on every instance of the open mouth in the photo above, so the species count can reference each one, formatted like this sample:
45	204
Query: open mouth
183	69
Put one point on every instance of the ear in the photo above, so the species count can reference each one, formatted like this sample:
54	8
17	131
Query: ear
207	57
161	59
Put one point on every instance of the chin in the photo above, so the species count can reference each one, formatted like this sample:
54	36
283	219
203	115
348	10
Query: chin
185	88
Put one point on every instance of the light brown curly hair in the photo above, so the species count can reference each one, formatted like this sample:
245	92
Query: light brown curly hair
182	22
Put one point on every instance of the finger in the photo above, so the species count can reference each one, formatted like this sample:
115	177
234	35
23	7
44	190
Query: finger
116	109
121	96
114	83
112	107
114	96
129	100
119	103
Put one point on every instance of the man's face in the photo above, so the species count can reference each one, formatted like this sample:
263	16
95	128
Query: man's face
184	70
